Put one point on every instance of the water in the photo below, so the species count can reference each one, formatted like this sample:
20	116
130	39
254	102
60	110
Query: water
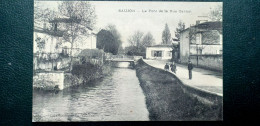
118	97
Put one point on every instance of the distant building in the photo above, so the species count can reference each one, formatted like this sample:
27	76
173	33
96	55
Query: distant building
159	52
200	41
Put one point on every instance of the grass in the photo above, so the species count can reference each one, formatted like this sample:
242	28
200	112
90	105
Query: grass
166	100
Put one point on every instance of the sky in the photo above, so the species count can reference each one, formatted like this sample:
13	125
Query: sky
130	16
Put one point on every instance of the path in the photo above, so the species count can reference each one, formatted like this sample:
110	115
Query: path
201	78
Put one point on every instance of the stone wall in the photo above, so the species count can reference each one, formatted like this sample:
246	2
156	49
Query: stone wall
49	80
49	65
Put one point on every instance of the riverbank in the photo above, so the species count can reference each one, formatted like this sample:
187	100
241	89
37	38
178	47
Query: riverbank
115	97
81	74
166	100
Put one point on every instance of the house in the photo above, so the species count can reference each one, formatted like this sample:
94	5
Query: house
48	42
51	33
163	52
202	44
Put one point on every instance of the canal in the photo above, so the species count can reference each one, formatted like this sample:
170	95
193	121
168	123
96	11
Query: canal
118	97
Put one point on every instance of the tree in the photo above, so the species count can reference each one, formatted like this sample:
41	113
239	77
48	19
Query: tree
81	16
216	13
138	42
112	29
148	40
136	39
42	15
166	35
107	42
180	27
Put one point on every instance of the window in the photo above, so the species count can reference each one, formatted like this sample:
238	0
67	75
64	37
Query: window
169	53
157	53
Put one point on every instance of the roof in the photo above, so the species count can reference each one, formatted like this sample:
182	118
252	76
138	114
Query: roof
65	20
49	32
213	25
210	25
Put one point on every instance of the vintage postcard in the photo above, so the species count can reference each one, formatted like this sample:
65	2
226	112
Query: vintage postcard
127	61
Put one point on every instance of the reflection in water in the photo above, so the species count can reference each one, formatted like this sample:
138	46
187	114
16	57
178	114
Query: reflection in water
114	98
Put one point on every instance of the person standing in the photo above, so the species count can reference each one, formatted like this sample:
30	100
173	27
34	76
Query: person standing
166	67
173	67
190	67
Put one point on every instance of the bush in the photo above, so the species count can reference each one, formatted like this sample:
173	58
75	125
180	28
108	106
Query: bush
84	70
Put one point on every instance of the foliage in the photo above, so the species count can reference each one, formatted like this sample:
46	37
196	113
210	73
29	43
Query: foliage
107	42
180	27
132	51
40	43
77	11
89	71
82	16
118	43
43	15
166	35
91	53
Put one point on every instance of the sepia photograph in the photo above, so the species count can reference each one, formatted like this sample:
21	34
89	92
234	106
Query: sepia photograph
127	61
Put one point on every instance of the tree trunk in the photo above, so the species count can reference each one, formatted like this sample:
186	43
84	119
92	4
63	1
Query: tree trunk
71	57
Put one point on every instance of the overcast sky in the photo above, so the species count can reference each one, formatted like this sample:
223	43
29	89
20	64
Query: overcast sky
128	22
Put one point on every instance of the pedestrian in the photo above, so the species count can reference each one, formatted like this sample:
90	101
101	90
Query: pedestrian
173	67
166	67
190	67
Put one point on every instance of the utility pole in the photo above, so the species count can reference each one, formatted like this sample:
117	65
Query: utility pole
197	54
189	40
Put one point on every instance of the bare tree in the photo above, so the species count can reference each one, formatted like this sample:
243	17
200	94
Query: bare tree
180	27
148	40
81	17
136	39
166	35
43	15
216	13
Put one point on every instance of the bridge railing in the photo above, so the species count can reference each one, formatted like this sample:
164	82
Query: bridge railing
123	57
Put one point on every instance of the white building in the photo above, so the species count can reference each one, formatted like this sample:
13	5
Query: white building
54	43
159	52
207	40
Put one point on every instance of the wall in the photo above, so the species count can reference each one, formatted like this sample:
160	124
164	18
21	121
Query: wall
210	55
48	65
206	49
50	43
166	54
48	80
86	42
214	62
184	46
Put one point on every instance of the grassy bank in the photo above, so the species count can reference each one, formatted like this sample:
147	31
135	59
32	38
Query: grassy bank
166	100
